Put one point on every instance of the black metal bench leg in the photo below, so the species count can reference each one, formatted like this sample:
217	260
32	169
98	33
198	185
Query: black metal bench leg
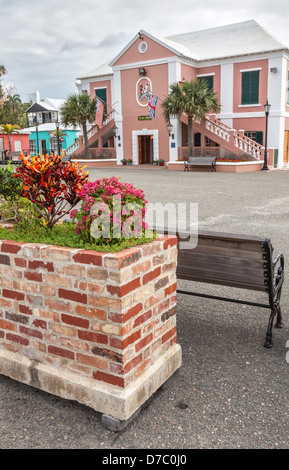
279	322
268	342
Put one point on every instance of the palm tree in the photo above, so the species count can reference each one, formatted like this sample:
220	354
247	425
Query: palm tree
192	98
9	129
78	110
15	102
2	70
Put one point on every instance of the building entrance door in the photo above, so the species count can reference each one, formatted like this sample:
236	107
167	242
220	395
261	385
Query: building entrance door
285	154
145	149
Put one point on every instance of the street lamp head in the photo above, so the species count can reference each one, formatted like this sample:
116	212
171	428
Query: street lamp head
267	107
169	127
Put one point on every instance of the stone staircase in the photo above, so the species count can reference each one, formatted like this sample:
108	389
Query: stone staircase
228	138
96	137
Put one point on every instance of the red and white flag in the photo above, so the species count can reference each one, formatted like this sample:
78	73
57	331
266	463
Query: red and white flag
99	108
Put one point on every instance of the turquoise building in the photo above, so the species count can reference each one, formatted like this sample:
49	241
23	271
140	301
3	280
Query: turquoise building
44	120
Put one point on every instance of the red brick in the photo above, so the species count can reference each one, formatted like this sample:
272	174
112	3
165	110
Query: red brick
11	247
40	324
92	336
25	309
108	378
91	312
123	343
13	294
92	361
72	295
142	318
17	339
171	289
31	332
141	344
151	275
76	321
37	277
169	334
89	257
170	241
130	257
35	264
6	325
134	362
121	291
132	312
20	262
60	352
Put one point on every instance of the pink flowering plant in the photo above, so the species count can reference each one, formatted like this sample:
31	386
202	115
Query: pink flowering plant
111	212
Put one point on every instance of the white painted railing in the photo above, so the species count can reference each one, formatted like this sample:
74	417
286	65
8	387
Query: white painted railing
240	141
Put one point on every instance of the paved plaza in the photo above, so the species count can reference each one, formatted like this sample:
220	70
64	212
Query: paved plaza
230	392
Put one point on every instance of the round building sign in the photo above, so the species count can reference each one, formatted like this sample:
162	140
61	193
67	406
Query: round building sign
143	88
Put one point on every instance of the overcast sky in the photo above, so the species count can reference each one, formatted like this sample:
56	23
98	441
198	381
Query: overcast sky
46	44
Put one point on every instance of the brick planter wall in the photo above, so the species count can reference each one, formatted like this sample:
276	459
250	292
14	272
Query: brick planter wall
94	327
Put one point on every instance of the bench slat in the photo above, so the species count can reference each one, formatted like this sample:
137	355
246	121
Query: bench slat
217	250
238	285
212	259
208	275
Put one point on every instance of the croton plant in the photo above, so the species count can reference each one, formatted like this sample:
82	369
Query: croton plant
51	185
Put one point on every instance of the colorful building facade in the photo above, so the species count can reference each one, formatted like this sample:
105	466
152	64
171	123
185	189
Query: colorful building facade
44	117
243	63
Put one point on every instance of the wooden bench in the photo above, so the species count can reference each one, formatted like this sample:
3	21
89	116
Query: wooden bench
239	261
200	161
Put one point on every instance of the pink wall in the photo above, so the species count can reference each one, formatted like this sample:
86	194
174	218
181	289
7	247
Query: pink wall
102	84
158	75
154	51
188	73
24	139
263	84
250	124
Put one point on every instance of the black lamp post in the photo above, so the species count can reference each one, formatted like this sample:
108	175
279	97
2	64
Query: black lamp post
37	139
57	133
267	107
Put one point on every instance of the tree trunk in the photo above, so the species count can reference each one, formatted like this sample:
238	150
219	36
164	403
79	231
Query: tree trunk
190	137
10	144
85	138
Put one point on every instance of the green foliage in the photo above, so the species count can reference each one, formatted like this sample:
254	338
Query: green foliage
17	211
194	99
77	111
10	187
63	235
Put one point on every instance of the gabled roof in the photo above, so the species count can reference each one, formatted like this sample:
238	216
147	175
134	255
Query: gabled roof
36	108
238	39
232	40
101	71
48	104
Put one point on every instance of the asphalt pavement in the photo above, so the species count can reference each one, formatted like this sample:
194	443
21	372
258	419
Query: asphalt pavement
230	392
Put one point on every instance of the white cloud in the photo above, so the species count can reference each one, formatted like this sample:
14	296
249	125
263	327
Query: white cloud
45	45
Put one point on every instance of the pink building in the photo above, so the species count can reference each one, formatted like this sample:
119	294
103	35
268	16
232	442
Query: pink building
243	63
19	143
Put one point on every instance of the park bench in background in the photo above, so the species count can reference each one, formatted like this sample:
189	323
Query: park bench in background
200	162
239	261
